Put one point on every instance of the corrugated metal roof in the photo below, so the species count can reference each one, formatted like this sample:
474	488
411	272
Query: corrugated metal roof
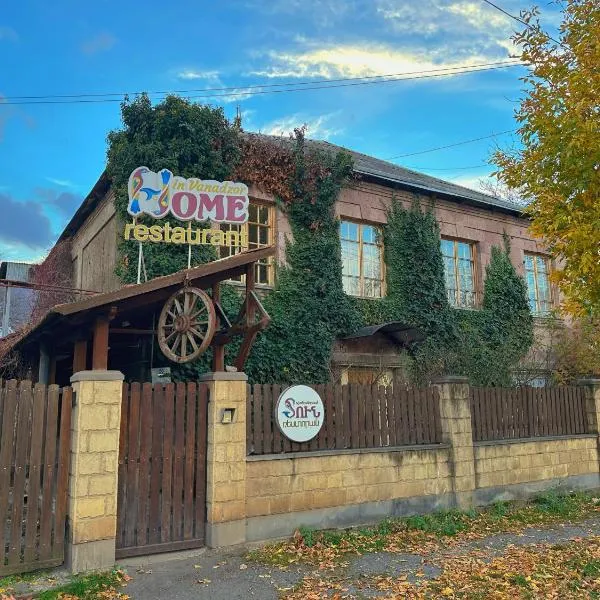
17	271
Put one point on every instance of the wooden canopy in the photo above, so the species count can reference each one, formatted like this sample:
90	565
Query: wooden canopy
128	310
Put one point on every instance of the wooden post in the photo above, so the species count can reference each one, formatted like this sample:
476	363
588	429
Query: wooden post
250	308
218	349
80	356
100	344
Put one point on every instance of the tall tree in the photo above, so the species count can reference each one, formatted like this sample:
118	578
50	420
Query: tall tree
557	167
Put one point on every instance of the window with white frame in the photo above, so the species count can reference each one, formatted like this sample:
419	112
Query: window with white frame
459	272
362	259
537	270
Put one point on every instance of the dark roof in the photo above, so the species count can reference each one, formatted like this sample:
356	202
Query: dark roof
391	174
398	332
367	166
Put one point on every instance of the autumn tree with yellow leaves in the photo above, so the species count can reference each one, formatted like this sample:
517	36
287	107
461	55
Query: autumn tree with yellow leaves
556	169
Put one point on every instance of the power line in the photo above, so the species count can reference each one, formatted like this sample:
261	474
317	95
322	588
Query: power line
256	86
293	87
448	168
522	21
485	137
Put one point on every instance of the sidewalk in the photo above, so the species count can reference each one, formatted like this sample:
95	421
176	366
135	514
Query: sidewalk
215	575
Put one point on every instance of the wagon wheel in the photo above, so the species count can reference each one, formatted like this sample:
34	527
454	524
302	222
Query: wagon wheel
186	325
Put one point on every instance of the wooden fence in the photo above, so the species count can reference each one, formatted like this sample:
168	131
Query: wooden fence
356	416
512	413
161	502
35	423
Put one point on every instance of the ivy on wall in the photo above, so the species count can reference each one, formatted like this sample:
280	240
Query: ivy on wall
486	345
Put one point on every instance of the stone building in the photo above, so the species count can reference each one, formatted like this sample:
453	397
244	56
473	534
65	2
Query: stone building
470	222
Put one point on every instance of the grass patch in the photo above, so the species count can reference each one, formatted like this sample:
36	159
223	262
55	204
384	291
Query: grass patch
422	533
95	586
9	582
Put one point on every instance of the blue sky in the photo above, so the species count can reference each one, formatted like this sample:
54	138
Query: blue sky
52	154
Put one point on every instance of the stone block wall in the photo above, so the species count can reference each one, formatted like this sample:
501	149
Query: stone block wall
524	461
340	479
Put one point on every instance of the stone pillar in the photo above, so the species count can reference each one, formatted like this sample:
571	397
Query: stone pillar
455	411
591	387
226	460
92	507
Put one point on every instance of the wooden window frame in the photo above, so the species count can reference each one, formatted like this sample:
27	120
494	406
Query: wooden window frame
473	245
378	227
271	237
548	260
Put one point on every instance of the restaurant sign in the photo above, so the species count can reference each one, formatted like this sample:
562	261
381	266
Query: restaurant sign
190	200
299	413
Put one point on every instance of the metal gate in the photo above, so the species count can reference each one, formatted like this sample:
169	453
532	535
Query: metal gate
161	503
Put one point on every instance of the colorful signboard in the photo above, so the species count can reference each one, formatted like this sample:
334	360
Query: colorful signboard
160	194
299	413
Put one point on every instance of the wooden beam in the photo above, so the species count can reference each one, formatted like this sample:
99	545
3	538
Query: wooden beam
100	344
250	308
218	362
80	356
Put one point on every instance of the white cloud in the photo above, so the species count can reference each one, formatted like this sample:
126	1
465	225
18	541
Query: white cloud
362	61
61	182
195	74
320	127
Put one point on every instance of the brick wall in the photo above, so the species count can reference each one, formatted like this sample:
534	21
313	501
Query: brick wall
302	483
534	460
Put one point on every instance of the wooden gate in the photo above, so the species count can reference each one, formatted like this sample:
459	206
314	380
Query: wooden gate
35	427
161	502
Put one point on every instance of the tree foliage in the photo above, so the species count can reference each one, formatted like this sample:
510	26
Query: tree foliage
486	345
557	167
189	139
308	306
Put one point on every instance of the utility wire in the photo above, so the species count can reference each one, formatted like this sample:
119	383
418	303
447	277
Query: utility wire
485	137
522	21
262	85
292	87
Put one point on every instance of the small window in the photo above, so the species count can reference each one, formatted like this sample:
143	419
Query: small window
537	269
459	271
362	268
259	232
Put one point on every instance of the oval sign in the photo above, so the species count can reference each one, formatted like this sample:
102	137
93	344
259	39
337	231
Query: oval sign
299	413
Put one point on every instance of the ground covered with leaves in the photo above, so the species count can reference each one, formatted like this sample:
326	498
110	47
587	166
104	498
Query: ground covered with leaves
505	551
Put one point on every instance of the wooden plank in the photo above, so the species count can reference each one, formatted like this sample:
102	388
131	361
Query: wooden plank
9	400
257	399
427	416
158	421
100	344
384	419
369	402
561	410
201	442
530	416
570	412
480	413
267	415
277	435
178	458
122	474
390	415
437	417
545	411
402	420
580	411
554	411
287	444
411	412
190	460
143	464
23	433
354	416
329	417
362	416
35	474
167	465
62	476
132	465
338	434
49	454
79	356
